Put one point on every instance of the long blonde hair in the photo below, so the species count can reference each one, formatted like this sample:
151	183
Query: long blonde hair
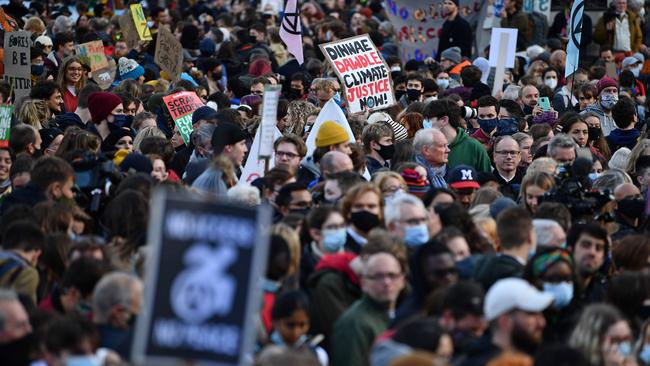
34	112
61	80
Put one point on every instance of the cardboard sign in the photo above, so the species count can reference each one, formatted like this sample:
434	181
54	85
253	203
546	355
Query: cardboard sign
363	72
140	22
129	32
254	166
511	46
169	53
269	119
418	24
6	112
92	53
18	62
202	288
181	106
104	77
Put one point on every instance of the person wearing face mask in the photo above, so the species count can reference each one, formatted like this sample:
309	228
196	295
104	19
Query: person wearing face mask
528	98
553	271
629	209
114	314
106	113
607	92
414	89
363	208
327	230
487	113
551	78
407	218
378	145
299	83
442	80
643	348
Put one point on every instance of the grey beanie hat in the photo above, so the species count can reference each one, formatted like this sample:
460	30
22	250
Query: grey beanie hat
452	54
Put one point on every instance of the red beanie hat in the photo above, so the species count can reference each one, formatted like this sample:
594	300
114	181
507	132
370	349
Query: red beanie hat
605	82
101	104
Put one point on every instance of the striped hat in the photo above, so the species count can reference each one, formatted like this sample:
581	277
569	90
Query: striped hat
399	131
417	185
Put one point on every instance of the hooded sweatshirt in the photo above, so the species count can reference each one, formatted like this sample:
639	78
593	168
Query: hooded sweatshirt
622	138
466	150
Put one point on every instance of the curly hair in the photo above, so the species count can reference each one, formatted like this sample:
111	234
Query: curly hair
298	112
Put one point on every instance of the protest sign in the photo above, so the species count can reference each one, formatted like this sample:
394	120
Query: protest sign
92	54
363	72
575	38
330	112
18	66
538	6
202	290
501	45
181	106
254	166
418	24
169	53
5	124
129	32
269	119
104	77
140	22
511	46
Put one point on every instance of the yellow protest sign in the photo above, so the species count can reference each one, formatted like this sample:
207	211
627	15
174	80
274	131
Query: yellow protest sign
140	22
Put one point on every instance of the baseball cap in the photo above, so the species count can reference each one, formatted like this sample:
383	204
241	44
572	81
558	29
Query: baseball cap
510	294
463	176
629	61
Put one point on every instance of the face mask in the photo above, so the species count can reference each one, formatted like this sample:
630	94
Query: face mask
150	23
426	123
295	93
562	292
625	348
430	99
416	235
364	220
37	69
399	93
17	352
395	69
488	125
645	354
37	153
551	83
593	176
632	207
593	133
83	361
528	109
507	126
443	83
334	240
328	36
636	71
386	151
413	94
608	101
120	120
301	211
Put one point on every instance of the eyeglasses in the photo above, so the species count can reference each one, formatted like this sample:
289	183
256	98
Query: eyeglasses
382	276
286	154
506	153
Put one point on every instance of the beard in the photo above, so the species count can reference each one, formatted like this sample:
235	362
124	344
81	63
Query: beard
523	340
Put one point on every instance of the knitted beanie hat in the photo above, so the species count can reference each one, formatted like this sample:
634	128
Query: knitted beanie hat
129	69
101	104
452	54
226	134
331	133
605	82
417	185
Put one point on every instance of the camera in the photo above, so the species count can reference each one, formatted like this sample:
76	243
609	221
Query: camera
95	174
468	112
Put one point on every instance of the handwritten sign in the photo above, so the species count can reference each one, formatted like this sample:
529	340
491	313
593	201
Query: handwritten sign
129	32
140	22
104	77
6	112
18	62
269	119
169	53
92	53
418	24
181	106
363	73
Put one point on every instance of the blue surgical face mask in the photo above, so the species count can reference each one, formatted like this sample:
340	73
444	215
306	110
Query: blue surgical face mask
416	235
507	126
644	356
334	240
636	71
427	123
562	292
625	348
488	125
593	176
443	83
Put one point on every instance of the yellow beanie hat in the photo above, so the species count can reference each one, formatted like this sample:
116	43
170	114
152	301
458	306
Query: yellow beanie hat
331	133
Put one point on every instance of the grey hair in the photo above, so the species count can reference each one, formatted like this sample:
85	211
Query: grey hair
422	138
393	210
203	136
543	230
6	296
620	158
247	195
610	179
511	93
113	289
561	141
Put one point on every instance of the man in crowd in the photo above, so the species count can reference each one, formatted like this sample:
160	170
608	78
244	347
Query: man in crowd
432	152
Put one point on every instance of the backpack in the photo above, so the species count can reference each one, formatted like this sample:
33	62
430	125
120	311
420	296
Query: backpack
538	28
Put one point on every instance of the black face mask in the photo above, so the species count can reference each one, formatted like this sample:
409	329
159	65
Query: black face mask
301	211
364	220
633	208
528	109
37	153
399	93
386	151
413	94
17	352
295	93
593	133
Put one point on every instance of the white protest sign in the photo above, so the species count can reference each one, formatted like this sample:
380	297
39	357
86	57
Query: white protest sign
510	50
169	53
18	62
330	112
363	72
254	167
501	61
269	119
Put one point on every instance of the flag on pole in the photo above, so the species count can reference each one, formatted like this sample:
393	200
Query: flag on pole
575	35
291	30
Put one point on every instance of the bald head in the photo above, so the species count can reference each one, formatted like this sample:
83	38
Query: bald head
625	190
335	162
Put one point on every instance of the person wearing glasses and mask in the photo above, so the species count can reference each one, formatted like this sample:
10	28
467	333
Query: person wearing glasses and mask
507	156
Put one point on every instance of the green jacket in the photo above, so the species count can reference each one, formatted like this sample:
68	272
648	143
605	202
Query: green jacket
355	331
469	151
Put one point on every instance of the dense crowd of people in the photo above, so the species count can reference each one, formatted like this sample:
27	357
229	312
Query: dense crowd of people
457	227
